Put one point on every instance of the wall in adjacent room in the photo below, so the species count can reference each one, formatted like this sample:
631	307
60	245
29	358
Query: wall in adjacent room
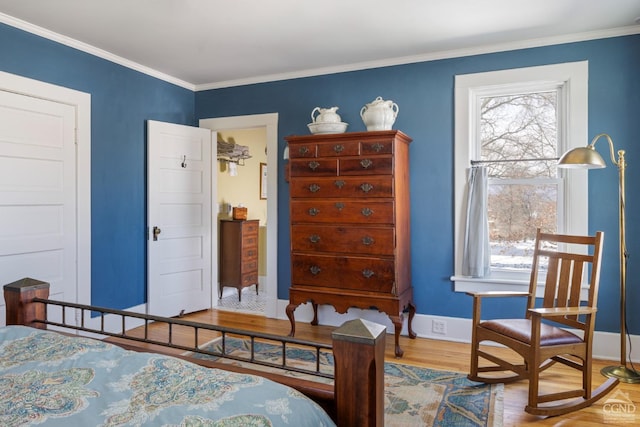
244	188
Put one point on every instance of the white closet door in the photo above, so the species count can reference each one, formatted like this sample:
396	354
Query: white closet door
38	229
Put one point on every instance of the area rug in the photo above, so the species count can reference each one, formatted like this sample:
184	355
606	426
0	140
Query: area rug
414	396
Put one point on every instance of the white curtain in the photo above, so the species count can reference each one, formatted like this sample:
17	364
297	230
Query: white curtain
476	256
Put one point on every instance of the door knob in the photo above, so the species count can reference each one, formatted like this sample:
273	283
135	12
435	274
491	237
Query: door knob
156	231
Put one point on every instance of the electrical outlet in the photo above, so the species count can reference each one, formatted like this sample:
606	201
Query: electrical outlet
439	327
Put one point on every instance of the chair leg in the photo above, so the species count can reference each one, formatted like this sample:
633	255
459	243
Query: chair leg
586	378
475	345
534	381
473	365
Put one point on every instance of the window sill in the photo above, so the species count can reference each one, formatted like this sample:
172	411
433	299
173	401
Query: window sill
472	284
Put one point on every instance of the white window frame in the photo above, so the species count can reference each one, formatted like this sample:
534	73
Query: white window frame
572	78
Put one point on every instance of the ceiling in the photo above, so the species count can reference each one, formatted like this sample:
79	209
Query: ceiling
205	44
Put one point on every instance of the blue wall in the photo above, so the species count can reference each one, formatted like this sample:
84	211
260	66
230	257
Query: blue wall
425	94
122	100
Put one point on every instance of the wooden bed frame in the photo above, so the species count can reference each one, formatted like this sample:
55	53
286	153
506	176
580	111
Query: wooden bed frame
355	398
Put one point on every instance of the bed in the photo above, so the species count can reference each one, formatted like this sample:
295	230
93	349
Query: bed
58	378
73	381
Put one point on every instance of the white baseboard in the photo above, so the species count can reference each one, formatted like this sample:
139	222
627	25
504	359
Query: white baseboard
606	345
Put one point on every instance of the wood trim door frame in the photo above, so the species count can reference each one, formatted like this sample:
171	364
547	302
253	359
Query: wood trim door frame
81	101
270	122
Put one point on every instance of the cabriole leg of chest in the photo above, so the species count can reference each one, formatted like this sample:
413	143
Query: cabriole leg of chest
290	309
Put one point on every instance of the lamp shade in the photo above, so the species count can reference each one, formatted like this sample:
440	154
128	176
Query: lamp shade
583	158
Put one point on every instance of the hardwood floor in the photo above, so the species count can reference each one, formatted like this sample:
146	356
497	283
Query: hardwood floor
449	356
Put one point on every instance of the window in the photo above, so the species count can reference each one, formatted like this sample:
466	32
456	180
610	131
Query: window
518	143
518	122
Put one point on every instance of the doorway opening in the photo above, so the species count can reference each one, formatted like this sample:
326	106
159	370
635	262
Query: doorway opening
238	127
241	159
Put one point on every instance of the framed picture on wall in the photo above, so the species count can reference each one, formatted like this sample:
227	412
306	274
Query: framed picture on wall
263	180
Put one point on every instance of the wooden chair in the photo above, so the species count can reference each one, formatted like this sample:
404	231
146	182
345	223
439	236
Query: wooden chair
539	338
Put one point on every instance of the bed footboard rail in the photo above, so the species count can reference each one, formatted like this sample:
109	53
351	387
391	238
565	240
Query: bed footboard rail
358	345
154	330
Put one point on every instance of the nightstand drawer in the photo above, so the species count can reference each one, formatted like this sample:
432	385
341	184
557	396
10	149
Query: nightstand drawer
250	240
249	279
249	266
250	252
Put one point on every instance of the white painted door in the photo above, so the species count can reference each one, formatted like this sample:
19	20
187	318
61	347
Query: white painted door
179	218
38	193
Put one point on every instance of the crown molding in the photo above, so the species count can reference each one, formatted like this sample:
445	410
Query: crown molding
433	56
92	50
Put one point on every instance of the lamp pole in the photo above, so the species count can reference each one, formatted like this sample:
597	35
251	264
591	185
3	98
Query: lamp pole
623	260
588	157
621	372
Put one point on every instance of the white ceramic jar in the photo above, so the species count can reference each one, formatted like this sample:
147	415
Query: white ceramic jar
379	114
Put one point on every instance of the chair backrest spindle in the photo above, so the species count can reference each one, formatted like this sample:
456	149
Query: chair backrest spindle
563	278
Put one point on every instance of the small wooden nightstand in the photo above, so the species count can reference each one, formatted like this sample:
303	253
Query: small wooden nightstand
238	254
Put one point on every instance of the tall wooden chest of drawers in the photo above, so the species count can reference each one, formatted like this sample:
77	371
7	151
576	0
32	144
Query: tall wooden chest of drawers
350	224
238	254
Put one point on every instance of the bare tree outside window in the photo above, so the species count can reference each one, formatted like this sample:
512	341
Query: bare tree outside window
519	143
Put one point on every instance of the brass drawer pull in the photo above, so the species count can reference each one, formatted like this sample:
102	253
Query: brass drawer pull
377	147
314	211
315	270
368	273
314	188
368	241
366	163
367	211
339	206
303	150
251	253
338	148
314	165
314	238
340	183
366	187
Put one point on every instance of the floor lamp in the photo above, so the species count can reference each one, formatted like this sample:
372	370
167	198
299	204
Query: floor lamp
588	158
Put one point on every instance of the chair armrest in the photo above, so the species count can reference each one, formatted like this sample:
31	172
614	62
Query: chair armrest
561	311
477	300
498	294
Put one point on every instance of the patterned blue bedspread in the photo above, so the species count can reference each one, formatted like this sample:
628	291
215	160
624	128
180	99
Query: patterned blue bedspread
52	379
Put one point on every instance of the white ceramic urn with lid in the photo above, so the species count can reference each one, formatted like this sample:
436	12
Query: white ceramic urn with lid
379	114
